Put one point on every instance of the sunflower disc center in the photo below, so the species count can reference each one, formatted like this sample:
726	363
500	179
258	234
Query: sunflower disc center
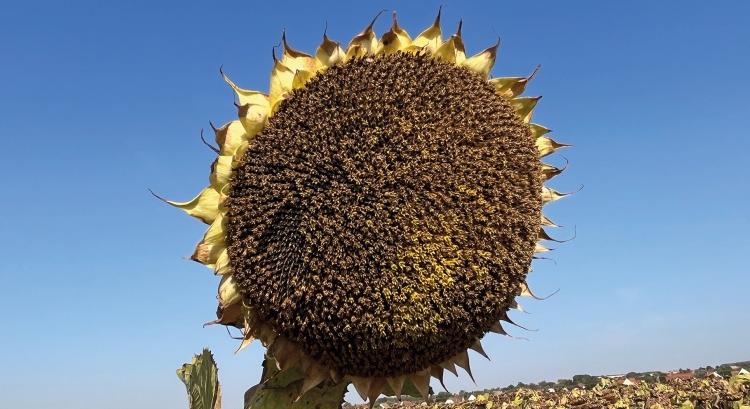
386	216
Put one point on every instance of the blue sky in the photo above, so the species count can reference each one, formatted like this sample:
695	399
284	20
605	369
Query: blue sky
99	102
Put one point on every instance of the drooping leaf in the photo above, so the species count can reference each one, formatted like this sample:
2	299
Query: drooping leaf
201	381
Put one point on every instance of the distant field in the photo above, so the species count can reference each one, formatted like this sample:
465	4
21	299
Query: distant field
710	392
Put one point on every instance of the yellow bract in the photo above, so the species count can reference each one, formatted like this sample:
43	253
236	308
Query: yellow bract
221	170
296	60
364	42
431	38
208	250
525	107
228	293
281	83
329	53
229	137
396	39
482	63
205	206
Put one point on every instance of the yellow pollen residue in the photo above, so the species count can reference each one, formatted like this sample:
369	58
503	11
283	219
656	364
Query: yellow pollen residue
430	265
467	190
429	262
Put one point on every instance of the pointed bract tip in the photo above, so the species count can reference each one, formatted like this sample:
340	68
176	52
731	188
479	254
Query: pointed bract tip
361	385
567	162
449	366
397	385
247	340
519	307
492	50
287	49
526	292
376	387
498	328
328	45
437	373
326	40
477	346
445	388
421	381
545	236
507	319
374	19
436	23
157	196
564	194
533	73
213	148
535	257
545	297
462	360
283	40
541	129
314	376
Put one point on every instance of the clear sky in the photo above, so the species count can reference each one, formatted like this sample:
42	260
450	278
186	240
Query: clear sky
101	100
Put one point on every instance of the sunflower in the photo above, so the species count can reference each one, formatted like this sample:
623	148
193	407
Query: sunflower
376	213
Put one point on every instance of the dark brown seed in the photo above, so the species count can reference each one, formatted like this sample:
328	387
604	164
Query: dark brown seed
386	216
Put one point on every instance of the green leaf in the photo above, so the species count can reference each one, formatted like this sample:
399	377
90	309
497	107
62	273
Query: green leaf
201	381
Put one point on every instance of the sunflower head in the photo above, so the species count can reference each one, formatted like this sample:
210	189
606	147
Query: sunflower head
375	214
